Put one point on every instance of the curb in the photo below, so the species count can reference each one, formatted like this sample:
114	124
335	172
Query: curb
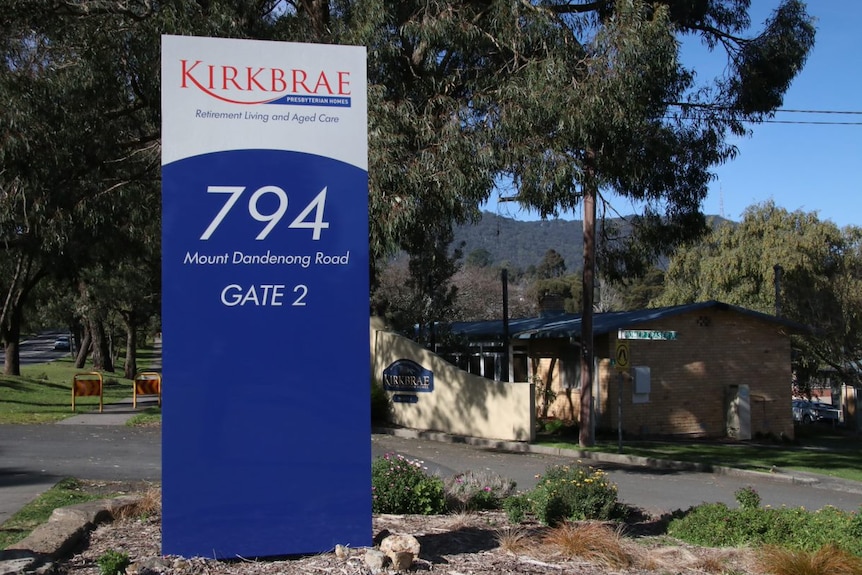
619	459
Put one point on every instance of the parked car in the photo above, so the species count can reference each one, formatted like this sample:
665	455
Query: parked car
62	343
806	412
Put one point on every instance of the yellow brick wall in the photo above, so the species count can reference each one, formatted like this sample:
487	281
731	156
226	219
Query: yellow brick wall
691	377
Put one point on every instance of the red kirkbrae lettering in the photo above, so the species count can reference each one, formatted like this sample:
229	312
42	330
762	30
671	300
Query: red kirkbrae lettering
257	85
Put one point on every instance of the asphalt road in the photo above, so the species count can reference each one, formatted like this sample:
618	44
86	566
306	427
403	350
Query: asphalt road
35	457
38	349
654	490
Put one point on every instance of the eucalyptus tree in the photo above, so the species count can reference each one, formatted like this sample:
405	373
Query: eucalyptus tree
553	265
569	99
817	265
603	107
81	138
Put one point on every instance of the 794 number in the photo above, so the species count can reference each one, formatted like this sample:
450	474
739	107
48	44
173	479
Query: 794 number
311	217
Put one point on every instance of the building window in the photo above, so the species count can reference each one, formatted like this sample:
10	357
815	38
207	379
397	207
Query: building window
570	373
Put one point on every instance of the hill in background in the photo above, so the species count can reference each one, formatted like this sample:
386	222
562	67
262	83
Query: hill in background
523	244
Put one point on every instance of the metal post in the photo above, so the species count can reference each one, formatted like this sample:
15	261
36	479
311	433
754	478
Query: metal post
620	414
504	278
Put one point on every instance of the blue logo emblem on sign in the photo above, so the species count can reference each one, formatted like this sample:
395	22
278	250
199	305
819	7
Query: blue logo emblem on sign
407	375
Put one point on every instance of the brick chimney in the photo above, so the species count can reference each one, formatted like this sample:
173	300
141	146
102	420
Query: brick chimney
551	304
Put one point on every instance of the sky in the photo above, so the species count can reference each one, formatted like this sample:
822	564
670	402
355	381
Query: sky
812	167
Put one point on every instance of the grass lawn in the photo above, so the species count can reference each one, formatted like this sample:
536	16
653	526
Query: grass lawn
818	450
147	417
43	392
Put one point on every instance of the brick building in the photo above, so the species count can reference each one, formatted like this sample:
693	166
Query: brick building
700	370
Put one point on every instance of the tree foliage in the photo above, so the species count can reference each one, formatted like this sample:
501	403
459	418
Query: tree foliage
552	94
480	295
78	171
610	102
820	284
552	265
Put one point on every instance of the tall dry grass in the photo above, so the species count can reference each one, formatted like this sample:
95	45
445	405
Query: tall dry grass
149	504
828	560
591	541
515	540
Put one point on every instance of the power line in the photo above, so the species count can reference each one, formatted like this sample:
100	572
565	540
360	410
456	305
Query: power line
716	107
816	122
811	122
797	122
817	112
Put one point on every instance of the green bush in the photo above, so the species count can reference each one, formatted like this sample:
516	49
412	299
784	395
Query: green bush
574	493
113	562
554	426
402	486
716	525
517	507
381	406
477	490
747	497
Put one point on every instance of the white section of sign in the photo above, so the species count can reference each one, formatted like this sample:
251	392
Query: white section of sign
649	334
222	94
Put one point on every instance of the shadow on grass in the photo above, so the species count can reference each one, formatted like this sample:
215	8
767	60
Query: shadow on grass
36	403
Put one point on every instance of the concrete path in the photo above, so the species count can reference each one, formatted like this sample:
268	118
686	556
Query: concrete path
112	414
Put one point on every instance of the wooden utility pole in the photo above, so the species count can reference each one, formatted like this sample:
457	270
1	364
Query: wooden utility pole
586	433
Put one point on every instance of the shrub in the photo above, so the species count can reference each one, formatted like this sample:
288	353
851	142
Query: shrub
554	426
715	524
113	562
477	490
517	507
402	486
381	406
747	497
574	493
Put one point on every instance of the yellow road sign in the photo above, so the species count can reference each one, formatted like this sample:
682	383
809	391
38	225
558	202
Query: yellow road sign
622	354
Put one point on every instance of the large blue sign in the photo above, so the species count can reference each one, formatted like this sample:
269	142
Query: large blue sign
266	424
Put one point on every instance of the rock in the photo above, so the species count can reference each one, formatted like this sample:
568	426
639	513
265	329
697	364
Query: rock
149	566
402	550
378	539
56	538
401	560
376	560
18	562
398	543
